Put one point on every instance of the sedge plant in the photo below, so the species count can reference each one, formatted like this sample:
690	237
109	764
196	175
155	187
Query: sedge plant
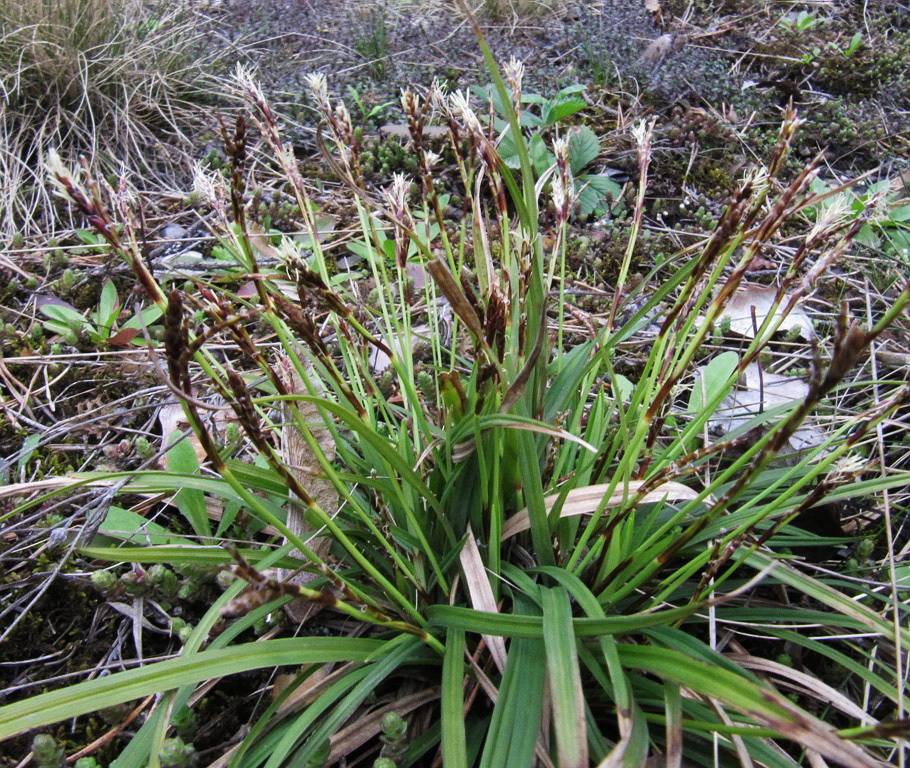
535	555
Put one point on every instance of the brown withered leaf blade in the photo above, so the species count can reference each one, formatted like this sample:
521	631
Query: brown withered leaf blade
173	421
814	734
455	294
481	594
366	727
805	684
586	500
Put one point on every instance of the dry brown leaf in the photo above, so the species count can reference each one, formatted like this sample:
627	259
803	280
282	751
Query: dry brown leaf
811	733
366	727
805	685
481	594
173	421
585	501
321	678
653	7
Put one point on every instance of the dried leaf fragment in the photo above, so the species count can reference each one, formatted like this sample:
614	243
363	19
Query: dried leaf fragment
657	49
760	299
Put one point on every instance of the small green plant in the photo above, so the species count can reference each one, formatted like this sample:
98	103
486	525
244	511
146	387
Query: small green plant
852	47
102	326
367	111
543	113
887	232
46	751
394	740
92	242
799	21
590	190
372	44
177	754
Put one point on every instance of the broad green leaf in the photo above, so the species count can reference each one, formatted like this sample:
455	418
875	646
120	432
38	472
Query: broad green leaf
181	457
593	190
869	237
603	184
28	448
126	525
541	159
623	387
146	317
108	308
66	316
584	147
713	380
554	111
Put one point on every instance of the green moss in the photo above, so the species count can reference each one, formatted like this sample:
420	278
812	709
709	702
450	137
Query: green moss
384	156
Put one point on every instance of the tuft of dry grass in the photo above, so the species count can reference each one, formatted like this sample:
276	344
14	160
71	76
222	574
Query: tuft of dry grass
119	80
512	11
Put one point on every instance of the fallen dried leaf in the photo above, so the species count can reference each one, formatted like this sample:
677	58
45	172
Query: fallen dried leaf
761	392
739	310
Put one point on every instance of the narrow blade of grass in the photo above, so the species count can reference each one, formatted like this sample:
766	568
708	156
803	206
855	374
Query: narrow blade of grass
115	689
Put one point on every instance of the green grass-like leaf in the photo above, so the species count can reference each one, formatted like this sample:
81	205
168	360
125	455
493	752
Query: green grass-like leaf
120	687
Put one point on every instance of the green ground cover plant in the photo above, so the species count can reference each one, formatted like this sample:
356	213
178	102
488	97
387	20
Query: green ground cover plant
446	517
